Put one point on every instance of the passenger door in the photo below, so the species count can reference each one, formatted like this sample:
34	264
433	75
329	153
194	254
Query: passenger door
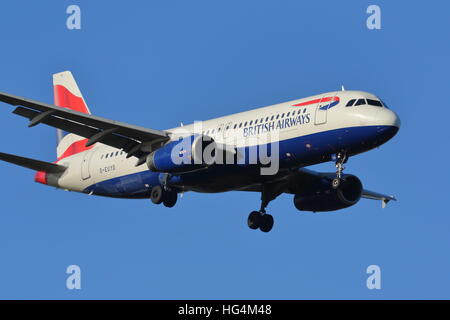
322	113
85	173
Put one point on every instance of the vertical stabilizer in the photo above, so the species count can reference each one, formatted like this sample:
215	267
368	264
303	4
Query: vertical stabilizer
68	95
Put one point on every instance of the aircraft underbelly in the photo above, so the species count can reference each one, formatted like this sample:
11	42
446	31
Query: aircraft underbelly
219	180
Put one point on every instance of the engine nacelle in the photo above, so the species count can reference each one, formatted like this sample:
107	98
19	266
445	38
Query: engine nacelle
325	198
184	155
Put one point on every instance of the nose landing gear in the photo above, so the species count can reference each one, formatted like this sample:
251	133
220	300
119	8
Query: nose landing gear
340	159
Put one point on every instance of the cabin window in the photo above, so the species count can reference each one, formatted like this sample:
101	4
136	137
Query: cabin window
271	118
350	103
287	115
250	123
245	123
240	125
117	153
267	119
282	115
235	125
256	121
102	157
376	103
360	102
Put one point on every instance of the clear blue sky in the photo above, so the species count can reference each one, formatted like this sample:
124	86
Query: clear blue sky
155	64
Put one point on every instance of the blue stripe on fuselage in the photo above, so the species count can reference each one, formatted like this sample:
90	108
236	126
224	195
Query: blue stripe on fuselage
304	150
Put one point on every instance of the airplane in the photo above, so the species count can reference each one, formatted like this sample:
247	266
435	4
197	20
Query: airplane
103	157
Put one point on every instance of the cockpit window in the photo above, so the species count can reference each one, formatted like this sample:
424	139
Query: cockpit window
374	103
350	103
360	102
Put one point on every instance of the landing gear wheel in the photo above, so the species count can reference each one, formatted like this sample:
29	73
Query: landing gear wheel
156	195
335	183
170	198
341	158
253	220
266	223
259	219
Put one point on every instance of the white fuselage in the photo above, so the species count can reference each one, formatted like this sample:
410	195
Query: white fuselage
103	162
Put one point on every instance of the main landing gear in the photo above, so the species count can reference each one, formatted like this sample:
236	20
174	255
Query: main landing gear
260	219
158	195
340	159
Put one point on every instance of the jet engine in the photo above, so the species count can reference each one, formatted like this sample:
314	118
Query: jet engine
184	155
323	197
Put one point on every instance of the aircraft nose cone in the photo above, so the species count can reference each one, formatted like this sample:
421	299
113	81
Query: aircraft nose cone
396	120
388	125
388	117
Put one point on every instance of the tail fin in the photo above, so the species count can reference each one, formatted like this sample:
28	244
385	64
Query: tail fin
68	95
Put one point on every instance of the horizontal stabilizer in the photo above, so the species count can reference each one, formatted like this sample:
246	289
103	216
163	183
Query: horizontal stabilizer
32	164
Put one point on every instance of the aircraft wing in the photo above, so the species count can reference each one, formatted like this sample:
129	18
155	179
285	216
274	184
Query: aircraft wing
293	182
378	196
384	198
135	140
